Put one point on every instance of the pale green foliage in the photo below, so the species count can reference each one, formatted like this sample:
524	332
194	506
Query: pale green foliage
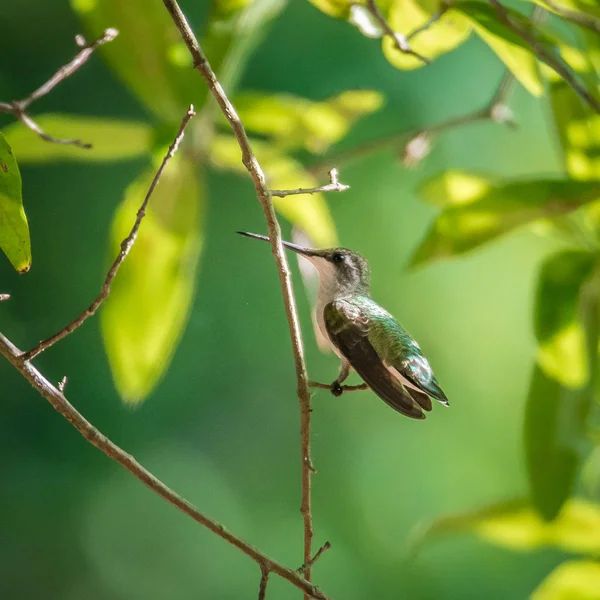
453	188
14	230
309	212
145	315
293	122
111	139
496	210
572	580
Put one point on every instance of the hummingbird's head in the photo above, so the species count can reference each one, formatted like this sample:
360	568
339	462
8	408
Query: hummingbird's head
342	272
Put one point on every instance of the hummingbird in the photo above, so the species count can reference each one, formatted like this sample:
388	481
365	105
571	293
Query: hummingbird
364	335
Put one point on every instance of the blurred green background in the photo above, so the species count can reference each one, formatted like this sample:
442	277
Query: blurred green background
222	426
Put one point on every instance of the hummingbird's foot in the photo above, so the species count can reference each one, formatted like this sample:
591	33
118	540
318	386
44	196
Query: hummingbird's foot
336	389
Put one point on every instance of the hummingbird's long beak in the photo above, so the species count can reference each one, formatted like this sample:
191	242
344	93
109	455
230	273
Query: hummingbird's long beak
308	252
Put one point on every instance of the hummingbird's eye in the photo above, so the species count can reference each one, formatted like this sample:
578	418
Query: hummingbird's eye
338	257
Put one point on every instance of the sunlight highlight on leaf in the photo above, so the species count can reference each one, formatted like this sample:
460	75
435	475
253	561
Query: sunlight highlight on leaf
453	188
572	580
14	230
147	310
112	139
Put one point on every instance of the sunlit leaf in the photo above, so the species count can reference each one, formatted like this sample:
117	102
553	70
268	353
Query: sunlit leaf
453	188
550	453
309	212
145	315
509	47
501	209
515	525
405	16
148	55
335	8
293	122
572	580
558	328
14	230
112	139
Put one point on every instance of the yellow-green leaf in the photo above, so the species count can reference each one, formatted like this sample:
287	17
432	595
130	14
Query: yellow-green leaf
502	208
309	212
147	310
405	16
515	525
147	55
335	8
453	188
572	580
558	328
112	139
293	122
14	230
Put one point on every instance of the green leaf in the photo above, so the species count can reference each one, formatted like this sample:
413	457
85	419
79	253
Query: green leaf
405	16
14	230
517	526
507	45
293	122
335	8
572	580
502	208
550	453
558	328
148	55
147	310
308	212
453	188
112	139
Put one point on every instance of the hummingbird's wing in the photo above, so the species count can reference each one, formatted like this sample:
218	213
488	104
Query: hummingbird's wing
348	328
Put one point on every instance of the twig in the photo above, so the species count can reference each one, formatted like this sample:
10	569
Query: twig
315	558
495	110
62	384
576	17
264	197
264	579
18	108
4	297
344	388
444	6
400	41
126	246
542	53
334	185
98	439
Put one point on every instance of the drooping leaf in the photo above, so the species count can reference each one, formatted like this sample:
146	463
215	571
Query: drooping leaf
453	188
507	45
293	122
147	310
550	452
308	212
571	580
558	327
515	525
148	55
405	16
111	139
14	230
501	209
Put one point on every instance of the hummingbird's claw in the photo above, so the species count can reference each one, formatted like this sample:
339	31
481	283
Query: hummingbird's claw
336	389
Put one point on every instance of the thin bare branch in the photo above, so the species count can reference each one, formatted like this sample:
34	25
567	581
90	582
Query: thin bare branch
62	384
126	246
343	388
264	197
18	108
60	403
400	41
4	297
436	16
264	579
315	558
544	55
334	185
579	18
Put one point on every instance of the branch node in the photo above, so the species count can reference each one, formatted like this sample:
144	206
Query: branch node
264	579
62	384
315	558
4	297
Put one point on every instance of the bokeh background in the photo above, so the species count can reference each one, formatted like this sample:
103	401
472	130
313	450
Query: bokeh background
222	426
